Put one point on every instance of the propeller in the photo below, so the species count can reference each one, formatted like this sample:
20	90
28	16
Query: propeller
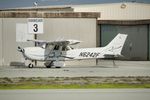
20	49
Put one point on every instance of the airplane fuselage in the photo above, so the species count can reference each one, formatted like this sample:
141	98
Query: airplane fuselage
42	54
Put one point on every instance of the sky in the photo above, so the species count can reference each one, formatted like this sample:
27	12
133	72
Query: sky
29	3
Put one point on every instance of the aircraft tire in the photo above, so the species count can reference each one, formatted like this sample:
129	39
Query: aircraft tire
30	65
48	66
57	67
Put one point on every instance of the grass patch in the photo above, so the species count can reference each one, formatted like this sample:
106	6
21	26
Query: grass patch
74	83
72	86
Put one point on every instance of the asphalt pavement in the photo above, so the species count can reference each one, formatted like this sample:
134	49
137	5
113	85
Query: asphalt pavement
76	94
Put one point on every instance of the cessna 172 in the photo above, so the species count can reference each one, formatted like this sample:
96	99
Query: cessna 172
55	53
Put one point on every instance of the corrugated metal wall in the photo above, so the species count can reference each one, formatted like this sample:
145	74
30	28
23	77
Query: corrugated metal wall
9	43
82	29
136	47
0	41
149	39
114	11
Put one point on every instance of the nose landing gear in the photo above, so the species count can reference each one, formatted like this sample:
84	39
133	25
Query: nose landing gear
30	65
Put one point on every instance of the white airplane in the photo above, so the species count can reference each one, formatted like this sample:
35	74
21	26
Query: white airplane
55	53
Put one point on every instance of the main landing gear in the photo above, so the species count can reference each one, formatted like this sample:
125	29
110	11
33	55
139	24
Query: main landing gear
49	64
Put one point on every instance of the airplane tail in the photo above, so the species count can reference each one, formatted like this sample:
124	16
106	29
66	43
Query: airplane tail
114	48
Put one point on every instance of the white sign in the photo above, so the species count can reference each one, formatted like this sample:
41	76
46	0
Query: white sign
35	25
22	34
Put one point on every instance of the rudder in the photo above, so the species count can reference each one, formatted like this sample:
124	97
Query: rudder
116	45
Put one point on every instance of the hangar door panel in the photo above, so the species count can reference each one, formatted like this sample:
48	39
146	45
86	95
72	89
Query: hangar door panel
149	41
135	47
0	42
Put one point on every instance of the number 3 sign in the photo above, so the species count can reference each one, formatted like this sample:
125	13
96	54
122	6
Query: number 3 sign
35	25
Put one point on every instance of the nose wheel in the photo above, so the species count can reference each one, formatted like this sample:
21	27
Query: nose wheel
30	65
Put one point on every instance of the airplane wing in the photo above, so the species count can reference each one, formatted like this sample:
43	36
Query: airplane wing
58	42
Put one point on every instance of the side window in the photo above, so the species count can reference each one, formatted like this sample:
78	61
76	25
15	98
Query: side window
56	47
64	48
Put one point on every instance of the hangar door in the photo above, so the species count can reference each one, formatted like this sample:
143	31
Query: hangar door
135	47
0	42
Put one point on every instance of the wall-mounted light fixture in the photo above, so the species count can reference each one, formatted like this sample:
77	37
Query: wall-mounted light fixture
123	6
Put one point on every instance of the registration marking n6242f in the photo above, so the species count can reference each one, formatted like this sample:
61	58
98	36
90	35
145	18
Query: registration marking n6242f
89	54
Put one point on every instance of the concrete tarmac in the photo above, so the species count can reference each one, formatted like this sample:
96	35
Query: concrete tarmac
76	94
106	68
91	71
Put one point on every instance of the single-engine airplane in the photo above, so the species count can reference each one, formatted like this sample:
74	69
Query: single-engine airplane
55	53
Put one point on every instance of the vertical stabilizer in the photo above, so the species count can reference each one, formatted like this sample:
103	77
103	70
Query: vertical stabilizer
116	45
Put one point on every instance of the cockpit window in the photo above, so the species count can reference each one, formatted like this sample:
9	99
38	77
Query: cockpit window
62	48
66	48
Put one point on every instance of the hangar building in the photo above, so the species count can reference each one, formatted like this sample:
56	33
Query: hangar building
95	24
57	24
128	18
